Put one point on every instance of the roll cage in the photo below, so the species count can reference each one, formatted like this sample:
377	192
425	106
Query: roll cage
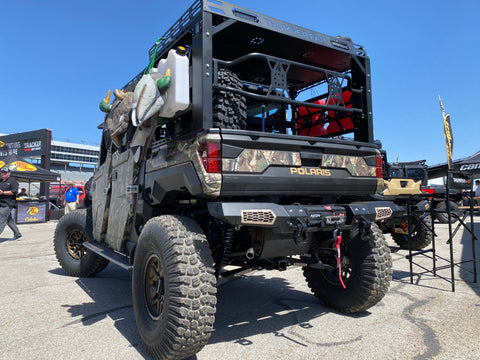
277	64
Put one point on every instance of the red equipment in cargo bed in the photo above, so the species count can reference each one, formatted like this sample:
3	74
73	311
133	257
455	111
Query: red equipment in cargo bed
313	122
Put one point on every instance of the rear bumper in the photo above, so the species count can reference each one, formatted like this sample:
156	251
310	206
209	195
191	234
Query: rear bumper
285	218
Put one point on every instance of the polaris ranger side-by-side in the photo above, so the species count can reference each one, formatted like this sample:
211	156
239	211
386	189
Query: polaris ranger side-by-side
246	144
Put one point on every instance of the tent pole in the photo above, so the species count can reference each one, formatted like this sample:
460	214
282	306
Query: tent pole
473	233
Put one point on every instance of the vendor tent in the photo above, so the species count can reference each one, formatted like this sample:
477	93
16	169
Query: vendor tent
468	167
24	171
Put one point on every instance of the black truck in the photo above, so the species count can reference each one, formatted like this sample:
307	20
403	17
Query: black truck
227	166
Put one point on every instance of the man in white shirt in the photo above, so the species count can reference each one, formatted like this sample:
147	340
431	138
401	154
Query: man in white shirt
477	192
477	188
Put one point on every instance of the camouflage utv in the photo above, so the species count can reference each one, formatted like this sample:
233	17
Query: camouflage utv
237	170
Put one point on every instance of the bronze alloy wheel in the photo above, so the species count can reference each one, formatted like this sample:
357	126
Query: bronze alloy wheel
75	239
72	231
154	287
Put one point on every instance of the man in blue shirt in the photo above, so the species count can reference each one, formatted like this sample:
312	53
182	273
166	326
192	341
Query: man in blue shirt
71	197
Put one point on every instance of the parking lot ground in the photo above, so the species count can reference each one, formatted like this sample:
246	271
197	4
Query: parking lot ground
45	314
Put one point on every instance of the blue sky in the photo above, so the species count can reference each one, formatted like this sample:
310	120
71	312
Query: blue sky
58	59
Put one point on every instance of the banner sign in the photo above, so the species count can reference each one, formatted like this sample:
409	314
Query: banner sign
447	128
458	180
31	211
27	144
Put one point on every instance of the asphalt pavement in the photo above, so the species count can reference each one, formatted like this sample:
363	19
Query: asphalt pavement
45	314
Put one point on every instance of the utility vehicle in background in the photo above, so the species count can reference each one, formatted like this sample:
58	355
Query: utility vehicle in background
418	171
403	186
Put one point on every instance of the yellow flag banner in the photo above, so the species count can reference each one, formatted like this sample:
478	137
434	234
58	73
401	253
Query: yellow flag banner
447	129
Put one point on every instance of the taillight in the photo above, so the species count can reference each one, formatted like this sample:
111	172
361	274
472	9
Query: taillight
427	191
211	156
379	167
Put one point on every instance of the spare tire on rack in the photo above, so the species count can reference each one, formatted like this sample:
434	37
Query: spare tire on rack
229	109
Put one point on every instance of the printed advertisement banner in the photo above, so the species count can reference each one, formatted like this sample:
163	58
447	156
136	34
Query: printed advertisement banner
31	212
26	144
447	129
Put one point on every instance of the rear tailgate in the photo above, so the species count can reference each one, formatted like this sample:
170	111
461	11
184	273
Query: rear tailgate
270	164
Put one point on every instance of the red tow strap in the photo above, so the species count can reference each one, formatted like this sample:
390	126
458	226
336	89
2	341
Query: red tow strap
339	263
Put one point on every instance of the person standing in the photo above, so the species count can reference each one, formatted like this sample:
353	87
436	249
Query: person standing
476	192
8	199
22	193
71	197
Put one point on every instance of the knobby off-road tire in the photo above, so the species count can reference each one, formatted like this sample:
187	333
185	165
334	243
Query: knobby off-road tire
229	109
443	217
72	230
422	237
366	272
174	287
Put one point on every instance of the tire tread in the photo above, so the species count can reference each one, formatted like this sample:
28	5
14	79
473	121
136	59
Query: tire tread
192	288
370	285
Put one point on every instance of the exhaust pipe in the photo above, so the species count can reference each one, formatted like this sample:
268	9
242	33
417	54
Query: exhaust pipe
250	254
